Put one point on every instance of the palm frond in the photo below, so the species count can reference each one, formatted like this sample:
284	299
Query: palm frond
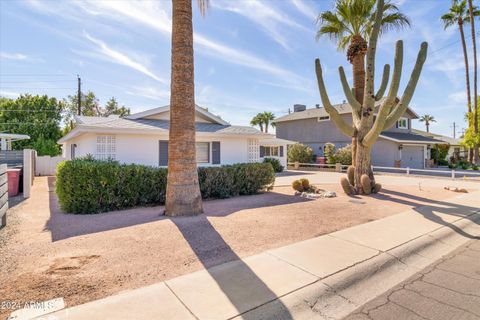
203	6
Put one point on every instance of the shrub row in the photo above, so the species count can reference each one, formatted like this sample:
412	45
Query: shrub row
85	186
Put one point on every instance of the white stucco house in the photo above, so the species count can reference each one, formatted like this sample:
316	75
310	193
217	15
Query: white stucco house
142	138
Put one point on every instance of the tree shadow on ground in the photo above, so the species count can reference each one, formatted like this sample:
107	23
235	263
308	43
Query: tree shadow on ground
430	209
245	293
63	225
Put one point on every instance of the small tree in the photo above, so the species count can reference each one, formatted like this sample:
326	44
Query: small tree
344	155
300	153
366	128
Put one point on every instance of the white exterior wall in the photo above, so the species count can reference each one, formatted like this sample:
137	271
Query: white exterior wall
144	149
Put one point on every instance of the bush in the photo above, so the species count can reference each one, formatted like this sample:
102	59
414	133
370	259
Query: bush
344	155
329	152
277	167
86	186
300	153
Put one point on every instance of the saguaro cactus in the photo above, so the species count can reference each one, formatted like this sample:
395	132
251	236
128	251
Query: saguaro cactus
365	127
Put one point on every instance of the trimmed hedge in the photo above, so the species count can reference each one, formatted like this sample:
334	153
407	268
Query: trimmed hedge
277	166
86	186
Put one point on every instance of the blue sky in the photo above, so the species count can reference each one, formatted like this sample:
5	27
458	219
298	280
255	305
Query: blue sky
250	56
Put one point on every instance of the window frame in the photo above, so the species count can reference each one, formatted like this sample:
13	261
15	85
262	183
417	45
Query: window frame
208	151
323	119
400	120
109	144
270	153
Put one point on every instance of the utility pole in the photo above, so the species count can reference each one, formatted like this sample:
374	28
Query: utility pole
454	130
79	96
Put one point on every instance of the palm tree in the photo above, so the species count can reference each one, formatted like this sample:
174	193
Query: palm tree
350	25
471	11
183	193
458	15
427	119
257	121
267	118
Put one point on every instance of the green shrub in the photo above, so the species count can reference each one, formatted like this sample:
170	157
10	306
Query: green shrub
344	155
277	166
91	186
474	167
300	153
329	152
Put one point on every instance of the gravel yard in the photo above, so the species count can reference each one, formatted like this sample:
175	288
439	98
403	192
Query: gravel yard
45	253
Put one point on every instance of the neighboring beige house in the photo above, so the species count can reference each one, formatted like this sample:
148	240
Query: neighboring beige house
142	138
456	148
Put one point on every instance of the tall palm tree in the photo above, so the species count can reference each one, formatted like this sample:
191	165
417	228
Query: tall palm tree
350	25
458	14
257	121
183	193
471	11
428	119
267	118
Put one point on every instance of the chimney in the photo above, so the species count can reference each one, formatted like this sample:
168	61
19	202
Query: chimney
299	107
317	106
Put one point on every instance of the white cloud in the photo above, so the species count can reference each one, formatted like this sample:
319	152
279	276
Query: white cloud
270	19
13	56
121	58
153	93
10	94
19	57
154	15
305	9
458	97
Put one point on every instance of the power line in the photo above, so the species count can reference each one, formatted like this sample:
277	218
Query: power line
35	74
2	87
37	81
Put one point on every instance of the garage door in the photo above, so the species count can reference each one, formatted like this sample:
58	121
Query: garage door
412	157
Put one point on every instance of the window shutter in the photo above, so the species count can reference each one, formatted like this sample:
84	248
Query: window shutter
163	153
262	151
281	151
396	124
215	152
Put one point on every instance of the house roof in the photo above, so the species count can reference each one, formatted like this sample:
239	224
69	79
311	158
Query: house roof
93	124
142	122
202	111
342	108
449	140
407	137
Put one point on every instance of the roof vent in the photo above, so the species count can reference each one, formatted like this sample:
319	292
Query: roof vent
344	101
317	106
299	107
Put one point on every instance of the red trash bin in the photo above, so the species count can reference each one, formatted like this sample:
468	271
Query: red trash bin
13	181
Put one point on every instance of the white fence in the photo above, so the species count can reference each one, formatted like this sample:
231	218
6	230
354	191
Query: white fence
46	165
454	174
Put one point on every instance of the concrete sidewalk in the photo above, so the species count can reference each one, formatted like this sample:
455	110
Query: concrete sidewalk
326	277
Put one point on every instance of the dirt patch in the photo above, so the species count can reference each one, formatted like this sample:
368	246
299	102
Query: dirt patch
87	257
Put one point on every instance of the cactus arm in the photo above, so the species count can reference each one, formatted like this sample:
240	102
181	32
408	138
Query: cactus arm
397	74
384	83
369	97
400	109
344	127
356	106
386	106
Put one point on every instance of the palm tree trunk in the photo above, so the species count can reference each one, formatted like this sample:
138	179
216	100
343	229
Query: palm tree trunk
475	94
183	193
356	55
266	126
467	78
428	126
